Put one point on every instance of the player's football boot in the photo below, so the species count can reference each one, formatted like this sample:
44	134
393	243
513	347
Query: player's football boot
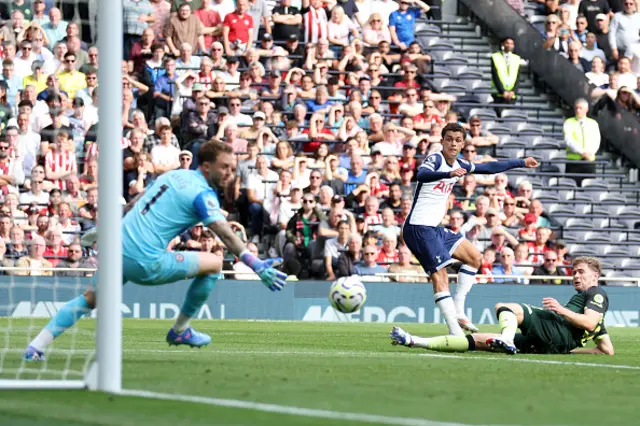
499	344
466	324
32	354
400	337
190	337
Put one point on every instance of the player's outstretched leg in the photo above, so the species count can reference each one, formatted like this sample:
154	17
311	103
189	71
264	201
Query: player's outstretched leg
472	260
438	344
65	318
197	295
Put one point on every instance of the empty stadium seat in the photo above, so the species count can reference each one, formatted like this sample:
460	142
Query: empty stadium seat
595	183
563	182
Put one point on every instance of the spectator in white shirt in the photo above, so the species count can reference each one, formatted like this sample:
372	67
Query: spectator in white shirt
36	193
597	76
625	76
165	156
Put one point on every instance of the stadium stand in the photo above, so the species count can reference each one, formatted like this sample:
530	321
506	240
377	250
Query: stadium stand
330	109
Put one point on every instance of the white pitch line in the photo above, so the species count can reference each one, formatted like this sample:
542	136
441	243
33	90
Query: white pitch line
533	361
370	354
290	410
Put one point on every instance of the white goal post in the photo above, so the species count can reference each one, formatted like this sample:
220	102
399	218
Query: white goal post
105	374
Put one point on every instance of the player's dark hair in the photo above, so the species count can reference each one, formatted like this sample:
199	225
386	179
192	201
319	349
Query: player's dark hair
452	127
592	262
209	151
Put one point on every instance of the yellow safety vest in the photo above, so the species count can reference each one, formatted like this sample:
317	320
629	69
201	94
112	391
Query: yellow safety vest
508	75
579	134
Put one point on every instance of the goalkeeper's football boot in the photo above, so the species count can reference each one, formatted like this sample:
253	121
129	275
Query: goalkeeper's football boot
190	337
466	324
32	354
499	344
400	337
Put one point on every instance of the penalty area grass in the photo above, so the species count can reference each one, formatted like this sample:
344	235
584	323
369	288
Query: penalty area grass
336	367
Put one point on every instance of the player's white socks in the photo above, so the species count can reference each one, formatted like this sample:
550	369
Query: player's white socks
182	323
508	323
447	307
42	340
466	279
444	343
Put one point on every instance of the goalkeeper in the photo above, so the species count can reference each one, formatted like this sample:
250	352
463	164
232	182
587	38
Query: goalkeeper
176	201
553	329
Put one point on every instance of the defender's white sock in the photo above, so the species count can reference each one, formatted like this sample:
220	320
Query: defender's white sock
445	303
466	279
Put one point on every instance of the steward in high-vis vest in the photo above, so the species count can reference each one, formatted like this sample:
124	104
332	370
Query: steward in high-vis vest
582	136
505	72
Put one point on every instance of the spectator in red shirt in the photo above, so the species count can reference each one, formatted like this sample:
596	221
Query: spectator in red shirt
389	252
539	247
372	215
317	133
408	154
409	79
55	251
428	117
528	233
211	23
237	29
488	259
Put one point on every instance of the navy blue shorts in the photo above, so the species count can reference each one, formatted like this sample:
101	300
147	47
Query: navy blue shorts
431	245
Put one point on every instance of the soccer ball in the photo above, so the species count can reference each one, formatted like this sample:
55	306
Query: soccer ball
347	294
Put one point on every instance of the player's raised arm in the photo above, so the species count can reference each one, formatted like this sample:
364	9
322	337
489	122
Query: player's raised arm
271	277
502	166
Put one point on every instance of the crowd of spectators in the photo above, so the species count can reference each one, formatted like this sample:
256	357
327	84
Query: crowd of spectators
327	105
599	37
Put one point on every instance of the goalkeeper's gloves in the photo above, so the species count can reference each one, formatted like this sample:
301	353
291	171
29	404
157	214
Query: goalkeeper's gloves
270	276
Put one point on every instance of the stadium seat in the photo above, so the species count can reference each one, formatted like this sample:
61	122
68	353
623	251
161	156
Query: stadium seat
514	115
596	237
563	182
613	250
483	113
608	198
498	129
579	223
630	264
437	43
595	183
544	142
530	129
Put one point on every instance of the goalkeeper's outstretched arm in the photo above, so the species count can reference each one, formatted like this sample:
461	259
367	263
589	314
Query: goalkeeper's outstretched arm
272	278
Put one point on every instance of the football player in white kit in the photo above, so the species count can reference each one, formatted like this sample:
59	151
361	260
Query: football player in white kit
436	246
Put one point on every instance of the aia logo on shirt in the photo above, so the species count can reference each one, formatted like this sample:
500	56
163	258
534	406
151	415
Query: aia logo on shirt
445	188
233	21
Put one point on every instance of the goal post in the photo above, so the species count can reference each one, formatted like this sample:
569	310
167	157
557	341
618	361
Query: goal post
109	292
65	370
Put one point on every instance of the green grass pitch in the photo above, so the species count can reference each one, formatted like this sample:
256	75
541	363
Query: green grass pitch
330	366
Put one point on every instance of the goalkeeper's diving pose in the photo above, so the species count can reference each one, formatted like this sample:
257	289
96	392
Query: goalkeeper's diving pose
552	329
175	202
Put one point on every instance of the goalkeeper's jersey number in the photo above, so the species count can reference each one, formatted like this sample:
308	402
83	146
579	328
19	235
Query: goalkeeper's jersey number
154	199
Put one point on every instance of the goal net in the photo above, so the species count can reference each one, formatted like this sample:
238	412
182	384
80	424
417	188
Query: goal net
27	303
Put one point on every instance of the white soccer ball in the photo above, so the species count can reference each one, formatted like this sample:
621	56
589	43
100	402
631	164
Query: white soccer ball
347	294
